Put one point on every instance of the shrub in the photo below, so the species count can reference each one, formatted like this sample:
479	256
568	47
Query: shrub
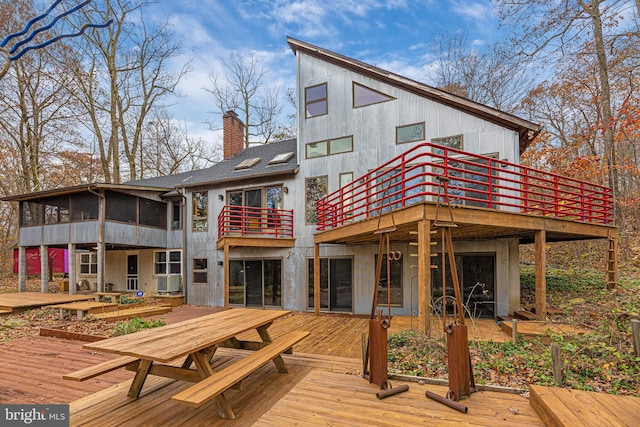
134	325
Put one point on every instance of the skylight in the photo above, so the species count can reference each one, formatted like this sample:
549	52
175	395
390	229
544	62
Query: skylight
281	158
247	163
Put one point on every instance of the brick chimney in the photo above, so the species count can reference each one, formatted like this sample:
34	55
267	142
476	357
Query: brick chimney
233	134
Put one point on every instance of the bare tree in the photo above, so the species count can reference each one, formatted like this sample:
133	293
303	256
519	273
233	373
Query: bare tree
244	90
124	75
488	75
169	149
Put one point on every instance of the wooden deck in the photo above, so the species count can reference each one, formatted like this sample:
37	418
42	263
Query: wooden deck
561	407
324	386
537	328
326	398
19	301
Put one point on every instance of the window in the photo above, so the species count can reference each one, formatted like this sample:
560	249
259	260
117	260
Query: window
84	206
122	207
200	271
363	96
281	158
167	262
315	189
410	133
476	274
315	100
397	188
336	284
89	263
200	211
332	146
30	214
255	283
469	182
56	210
449	141
395	273
153	213
247	163
176	216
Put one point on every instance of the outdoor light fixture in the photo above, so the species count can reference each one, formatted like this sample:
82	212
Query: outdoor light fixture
285	190
220	197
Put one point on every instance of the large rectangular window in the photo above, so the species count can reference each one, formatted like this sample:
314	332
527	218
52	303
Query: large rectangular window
315	100
84	207
200	211
315	189
89	263
56	210
153	213
470	182
121	207
327	148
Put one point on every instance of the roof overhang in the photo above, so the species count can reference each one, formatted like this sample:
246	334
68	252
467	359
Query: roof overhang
527	131
81	188
229	179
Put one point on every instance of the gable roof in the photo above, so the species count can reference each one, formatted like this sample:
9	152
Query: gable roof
527	130
226	171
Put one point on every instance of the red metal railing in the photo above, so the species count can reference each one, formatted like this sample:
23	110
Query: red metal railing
248	221
473	180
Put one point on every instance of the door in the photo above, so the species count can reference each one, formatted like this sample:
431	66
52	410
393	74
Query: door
132	272
253	280
253	199
336	284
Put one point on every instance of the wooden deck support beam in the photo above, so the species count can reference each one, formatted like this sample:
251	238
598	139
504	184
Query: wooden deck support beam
424	275
541	283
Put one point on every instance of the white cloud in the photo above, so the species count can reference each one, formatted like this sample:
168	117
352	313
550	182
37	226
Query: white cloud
475	10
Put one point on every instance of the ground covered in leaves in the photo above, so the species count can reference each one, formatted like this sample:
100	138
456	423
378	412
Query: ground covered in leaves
29	322
603	361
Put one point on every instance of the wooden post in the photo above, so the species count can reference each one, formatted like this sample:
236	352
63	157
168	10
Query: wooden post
514	331
316	278
541	283
556	364
635	332
424	275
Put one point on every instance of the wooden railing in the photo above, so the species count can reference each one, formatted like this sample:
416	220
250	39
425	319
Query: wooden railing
253	222
472	180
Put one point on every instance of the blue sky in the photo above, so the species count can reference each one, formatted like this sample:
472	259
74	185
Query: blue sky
391	34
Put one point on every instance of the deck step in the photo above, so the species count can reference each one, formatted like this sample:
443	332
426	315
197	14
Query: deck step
128	313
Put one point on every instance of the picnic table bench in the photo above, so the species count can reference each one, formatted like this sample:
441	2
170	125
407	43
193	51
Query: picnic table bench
159	351
83	307
112	296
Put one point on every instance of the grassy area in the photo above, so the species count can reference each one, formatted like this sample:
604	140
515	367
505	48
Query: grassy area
602	361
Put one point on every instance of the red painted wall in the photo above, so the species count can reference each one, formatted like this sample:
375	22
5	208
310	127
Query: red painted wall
57	258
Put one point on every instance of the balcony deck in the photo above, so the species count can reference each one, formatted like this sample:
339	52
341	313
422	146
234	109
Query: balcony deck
490	198
255	227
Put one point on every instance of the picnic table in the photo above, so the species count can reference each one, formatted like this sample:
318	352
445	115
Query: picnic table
158	351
